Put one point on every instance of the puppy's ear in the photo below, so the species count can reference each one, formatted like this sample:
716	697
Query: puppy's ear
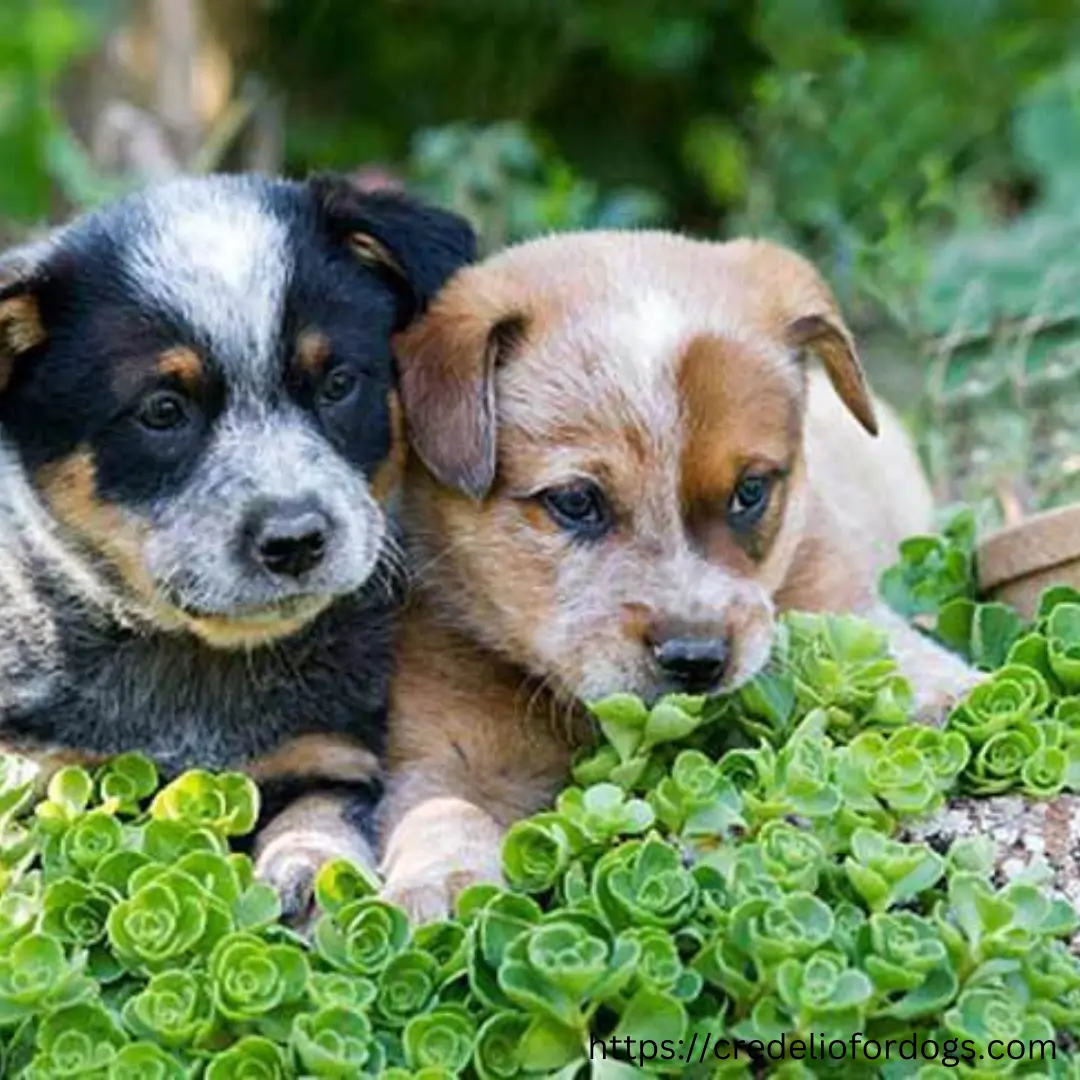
22	328
825	334
447	363
803	310
417	246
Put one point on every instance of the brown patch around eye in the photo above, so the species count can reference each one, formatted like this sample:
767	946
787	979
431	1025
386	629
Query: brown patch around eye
312	352
387	477
182	364
741	413
69	487
21	329
373	252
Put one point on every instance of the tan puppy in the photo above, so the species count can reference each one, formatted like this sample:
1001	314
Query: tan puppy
624	470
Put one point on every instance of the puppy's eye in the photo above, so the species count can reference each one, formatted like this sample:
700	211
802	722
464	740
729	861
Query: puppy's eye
337	386
749	501
163	411
580	509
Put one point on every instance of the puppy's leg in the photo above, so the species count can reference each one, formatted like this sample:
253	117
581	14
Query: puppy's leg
472	759
938	677
309	832
438	848
325	784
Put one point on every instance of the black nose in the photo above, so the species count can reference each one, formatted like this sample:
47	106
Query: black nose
696	664
290	539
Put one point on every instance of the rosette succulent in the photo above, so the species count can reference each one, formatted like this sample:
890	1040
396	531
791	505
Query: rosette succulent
76	1041
250	978
442	1038
146	1061
602	812
363	937
126	782
885	872
251	1058
407	984
644	883
335	1043
76	912
536	852
36	976
165	922
823	992
1011	696
906	771
174	1008
228	803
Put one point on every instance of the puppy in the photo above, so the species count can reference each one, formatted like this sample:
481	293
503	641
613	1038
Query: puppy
623	469
200	444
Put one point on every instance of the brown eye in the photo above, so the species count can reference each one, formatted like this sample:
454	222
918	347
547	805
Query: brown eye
337	386
749	501
579	509
163	411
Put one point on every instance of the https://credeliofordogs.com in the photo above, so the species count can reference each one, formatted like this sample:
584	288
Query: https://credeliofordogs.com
856	1047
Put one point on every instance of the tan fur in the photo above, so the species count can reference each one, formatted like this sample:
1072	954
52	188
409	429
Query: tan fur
21	329
312	352
369	250
662	369
182	364
336	757
69	487
386	481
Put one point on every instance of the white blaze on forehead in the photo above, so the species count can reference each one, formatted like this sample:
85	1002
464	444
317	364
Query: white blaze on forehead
216	254
641	337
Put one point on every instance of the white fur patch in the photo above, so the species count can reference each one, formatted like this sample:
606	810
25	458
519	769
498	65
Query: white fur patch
222	260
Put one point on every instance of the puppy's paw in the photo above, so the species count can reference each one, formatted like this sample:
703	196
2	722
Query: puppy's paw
438	850
292	849
428	893
290	870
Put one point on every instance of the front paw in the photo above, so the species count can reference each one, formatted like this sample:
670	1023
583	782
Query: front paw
292	850
439	849
428	892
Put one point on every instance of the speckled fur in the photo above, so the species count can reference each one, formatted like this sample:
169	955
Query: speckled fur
133	612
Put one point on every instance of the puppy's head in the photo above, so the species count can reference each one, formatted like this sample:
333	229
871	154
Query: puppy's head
197	383
611	435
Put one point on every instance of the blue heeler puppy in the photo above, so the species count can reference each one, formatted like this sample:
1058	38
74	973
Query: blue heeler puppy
200	443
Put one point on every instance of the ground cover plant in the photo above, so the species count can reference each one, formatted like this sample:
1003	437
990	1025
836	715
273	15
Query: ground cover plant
718	869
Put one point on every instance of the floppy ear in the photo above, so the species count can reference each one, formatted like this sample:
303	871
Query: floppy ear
447	363
21	325
826	335
803	310
417	246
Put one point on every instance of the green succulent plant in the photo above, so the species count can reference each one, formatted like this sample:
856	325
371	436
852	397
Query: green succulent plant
726	867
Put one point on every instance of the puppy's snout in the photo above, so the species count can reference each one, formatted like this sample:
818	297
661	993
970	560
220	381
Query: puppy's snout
289	539
695	664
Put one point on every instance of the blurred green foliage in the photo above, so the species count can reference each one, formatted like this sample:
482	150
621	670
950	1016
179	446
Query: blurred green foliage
924	152
38	41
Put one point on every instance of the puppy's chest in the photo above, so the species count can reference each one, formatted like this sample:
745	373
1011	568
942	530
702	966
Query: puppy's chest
189	706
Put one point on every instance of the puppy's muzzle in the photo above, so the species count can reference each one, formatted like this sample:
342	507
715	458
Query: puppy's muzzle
696	665
288	539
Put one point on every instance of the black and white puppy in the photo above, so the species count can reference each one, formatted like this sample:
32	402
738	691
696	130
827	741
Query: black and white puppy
200	444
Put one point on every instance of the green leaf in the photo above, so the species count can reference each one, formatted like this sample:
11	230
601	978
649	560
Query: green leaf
443	1038
252	1058
652	1014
